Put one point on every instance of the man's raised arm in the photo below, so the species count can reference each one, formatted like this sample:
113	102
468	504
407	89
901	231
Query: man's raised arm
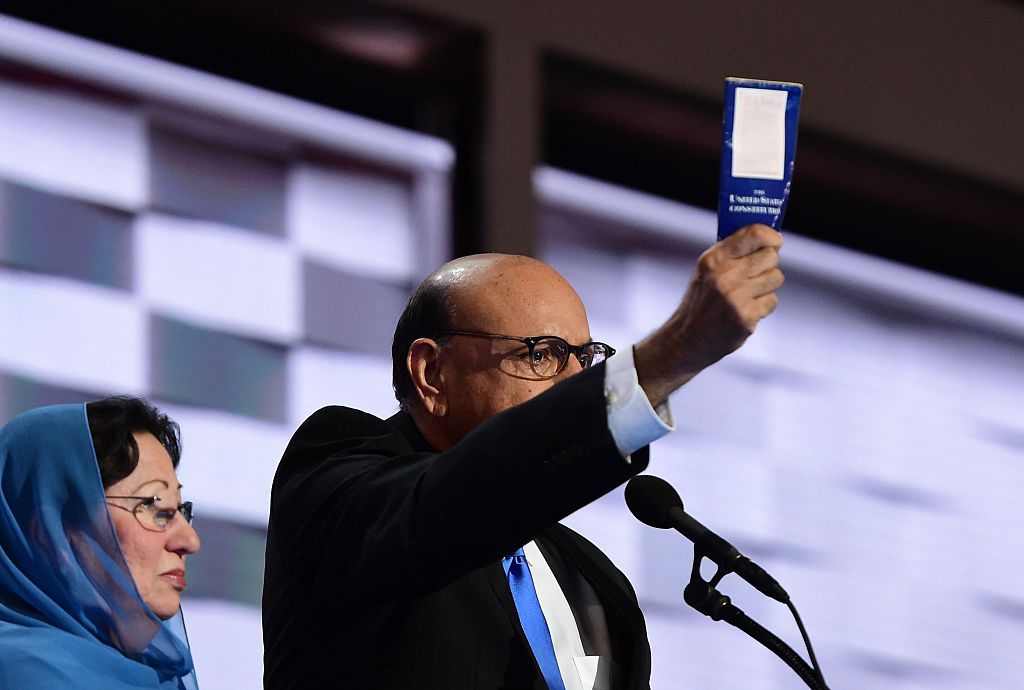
732	289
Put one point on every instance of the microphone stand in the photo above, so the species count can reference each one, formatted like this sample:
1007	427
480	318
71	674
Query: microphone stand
702	596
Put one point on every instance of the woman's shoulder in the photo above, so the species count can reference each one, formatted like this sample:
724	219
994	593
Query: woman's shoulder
48	659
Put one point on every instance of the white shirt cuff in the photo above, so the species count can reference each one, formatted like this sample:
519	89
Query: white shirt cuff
633	422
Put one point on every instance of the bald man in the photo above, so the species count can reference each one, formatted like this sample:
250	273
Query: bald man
424	551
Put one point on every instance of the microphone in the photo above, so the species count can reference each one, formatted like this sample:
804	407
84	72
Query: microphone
654	502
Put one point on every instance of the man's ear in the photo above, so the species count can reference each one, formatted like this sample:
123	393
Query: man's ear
423	362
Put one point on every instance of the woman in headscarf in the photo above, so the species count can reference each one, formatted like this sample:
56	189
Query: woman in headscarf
93	542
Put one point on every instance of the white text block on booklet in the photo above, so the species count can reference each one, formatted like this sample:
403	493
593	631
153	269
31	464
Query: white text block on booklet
759	134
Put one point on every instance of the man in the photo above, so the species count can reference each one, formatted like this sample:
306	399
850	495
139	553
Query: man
424	551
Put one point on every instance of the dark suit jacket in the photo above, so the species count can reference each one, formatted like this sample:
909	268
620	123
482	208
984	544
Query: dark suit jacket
383	556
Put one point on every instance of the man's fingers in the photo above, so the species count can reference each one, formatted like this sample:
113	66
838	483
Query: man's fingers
764	259
751	312
751	238
753	275
767	282
753	288
717	261
755	298
763	306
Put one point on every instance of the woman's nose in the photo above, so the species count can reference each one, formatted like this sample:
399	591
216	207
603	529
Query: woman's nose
185	539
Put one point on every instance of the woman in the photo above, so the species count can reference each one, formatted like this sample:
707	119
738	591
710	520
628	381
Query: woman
93	543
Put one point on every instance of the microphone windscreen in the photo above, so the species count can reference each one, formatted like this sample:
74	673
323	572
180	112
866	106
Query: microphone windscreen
650	499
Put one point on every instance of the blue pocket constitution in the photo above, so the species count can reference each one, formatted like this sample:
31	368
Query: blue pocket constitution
758	150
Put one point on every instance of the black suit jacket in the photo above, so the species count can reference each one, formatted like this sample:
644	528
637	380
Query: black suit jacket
383	557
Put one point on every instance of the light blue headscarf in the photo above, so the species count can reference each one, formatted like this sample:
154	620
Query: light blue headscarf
70	615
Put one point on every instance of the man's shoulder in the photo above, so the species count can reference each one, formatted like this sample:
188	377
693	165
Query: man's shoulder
333	420
335	434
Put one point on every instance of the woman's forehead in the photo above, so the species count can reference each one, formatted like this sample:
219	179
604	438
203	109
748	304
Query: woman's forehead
154	470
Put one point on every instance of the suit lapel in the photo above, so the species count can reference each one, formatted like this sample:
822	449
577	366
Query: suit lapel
495	575
612	592
619	607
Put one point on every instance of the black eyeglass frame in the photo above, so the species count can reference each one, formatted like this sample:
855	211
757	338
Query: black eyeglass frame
531	342
184	509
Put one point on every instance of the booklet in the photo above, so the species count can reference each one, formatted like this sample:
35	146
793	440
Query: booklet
758	149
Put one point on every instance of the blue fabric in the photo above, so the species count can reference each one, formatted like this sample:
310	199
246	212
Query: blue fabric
520	581
70	616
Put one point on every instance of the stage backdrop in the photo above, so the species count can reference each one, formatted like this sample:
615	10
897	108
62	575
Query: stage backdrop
240	259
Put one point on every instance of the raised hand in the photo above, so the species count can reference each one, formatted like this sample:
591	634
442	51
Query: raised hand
731	290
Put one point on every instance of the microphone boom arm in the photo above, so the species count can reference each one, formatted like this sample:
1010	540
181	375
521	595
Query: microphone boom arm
702	596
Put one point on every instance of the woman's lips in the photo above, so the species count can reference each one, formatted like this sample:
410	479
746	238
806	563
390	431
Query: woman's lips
176	578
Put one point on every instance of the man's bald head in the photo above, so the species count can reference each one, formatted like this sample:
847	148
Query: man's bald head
490	293
471	274
501	292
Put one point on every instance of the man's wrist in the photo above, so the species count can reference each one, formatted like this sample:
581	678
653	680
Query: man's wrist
632	420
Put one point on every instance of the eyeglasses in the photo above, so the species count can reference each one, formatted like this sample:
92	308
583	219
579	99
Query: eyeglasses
151	515
546	355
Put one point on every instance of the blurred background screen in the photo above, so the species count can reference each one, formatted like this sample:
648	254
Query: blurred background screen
240	257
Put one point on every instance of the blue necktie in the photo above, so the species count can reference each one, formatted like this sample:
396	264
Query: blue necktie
532	618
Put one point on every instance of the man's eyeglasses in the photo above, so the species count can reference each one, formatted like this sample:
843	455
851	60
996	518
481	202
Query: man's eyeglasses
151	515
545	355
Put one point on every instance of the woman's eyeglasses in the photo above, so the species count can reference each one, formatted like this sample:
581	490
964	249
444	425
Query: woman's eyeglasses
153	516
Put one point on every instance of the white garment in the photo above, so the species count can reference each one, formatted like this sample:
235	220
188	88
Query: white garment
631	419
